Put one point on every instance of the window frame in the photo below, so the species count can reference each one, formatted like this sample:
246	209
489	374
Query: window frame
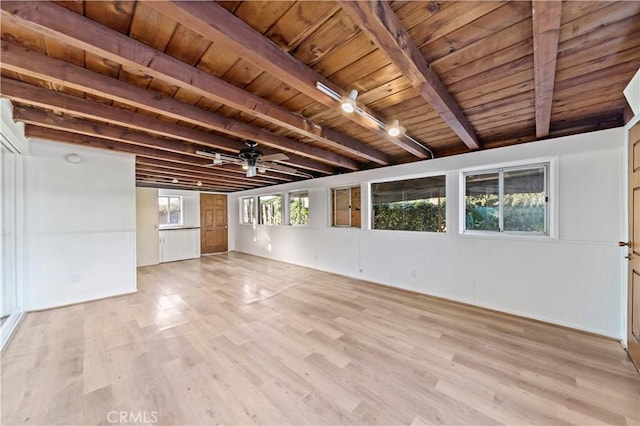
410	177
259	212
241	211
551	194
288	203
171	225
331	214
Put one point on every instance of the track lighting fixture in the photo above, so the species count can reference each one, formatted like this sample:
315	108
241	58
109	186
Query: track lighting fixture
245	165
348	104
198	183
174	180
395	129
217	159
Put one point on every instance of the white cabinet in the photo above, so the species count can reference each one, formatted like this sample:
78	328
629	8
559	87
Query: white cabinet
179	244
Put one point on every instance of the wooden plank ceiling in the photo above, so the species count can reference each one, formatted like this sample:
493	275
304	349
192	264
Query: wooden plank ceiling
163	79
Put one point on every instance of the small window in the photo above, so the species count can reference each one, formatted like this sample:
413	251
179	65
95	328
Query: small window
345	207
507	200
299	208
410	205
170	211
248	210
270	212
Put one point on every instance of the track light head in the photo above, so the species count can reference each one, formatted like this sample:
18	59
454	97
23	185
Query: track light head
395	129
348	103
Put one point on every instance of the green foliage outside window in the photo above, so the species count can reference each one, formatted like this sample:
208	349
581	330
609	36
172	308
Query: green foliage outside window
482	213
410	205
524	212
299	208
415	215
524	206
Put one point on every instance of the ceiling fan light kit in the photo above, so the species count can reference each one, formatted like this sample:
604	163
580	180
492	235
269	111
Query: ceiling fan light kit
253	160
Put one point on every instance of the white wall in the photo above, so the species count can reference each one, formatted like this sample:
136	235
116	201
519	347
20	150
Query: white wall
147	237
574	279
80	225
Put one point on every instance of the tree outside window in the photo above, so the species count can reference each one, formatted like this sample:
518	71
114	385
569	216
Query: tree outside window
170	211
270	210
299	208
248	210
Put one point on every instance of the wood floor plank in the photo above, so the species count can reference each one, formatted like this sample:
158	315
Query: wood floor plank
237	339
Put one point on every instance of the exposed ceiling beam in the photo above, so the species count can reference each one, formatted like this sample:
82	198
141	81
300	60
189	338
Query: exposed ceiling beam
141	168
59	102
204	169
28	62
156	181
69	124
546	34
376	19
217	24
183	177
75	30
34	131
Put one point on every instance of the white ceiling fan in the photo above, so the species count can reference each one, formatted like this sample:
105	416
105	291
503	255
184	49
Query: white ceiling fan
252	160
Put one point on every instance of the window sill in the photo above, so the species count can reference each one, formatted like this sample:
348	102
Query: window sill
174	227
506	236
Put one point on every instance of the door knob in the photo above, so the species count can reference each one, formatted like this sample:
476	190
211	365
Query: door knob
628	257
624	244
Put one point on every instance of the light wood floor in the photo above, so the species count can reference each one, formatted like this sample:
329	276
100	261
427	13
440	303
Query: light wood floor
237	339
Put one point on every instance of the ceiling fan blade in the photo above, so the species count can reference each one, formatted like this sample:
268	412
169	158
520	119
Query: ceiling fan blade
279	167
274	157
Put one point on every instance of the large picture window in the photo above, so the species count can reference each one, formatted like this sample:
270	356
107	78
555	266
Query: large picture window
247	210
410	205
299	208
270	210
345	207
170	211
507	200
